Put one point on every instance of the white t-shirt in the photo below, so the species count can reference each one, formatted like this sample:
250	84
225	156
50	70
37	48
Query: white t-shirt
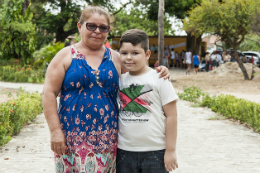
188	56
172	55
141	117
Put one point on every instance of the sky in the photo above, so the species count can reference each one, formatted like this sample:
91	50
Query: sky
176	23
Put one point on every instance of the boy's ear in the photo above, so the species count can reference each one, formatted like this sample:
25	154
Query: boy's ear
147	54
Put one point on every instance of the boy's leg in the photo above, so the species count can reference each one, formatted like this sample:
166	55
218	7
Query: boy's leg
153	162
127	162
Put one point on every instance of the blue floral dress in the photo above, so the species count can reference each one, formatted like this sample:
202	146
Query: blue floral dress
88	113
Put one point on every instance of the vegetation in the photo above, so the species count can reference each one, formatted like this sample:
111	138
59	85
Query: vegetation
15	113
176	8
136	18
17	34
231	107
231	21
16	71
251	42
44	56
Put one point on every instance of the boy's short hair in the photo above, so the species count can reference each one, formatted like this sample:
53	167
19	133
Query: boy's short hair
135	36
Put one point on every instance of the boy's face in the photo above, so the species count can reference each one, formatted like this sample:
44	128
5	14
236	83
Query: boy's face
133	58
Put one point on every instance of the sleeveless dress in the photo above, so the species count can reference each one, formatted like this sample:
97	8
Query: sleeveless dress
88	114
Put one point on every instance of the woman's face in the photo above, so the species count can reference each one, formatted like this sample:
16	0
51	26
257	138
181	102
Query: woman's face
93	39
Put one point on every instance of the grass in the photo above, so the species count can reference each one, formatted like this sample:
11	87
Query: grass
195	105
217	117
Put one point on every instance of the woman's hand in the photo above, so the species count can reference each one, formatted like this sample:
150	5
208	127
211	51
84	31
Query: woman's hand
58	142
164	72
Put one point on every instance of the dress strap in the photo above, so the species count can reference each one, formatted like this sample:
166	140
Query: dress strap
74	51
110	54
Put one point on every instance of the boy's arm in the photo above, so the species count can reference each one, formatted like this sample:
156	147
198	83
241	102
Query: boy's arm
170	158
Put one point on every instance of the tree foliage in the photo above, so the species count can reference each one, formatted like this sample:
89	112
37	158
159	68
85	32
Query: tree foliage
136	18
59	25
230	20
175	8
64	23
18	32
251	42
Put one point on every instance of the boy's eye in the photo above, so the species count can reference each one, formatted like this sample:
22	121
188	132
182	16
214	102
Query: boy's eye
135	53
123	53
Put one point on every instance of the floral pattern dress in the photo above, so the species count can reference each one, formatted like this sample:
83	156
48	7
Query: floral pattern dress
88	114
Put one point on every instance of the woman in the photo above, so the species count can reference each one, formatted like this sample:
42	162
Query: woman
166	56
172	57
214	61
196	62
244	60
207	59
188	60
84	130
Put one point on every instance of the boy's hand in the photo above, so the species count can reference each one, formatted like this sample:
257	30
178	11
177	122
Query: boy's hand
170	160
164	72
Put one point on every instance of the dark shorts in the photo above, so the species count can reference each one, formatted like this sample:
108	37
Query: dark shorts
196	66
140	162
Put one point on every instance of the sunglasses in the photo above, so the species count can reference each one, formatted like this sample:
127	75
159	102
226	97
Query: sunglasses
93	27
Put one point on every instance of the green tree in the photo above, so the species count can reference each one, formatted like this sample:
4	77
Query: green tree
17	36
64	23
230	20
251	42
176	8
137	18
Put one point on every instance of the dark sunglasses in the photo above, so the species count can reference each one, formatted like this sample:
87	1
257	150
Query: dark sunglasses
93	27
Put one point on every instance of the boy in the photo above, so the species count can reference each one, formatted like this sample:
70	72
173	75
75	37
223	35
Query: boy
148	115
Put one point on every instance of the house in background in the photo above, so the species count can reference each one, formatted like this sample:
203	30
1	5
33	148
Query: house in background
210	41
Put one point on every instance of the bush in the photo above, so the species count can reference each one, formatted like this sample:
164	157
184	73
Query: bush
232	107
15	113
227	105
18	73
44	56
191	94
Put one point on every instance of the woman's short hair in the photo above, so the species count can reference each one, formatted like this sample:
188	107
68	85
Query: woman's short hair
89	10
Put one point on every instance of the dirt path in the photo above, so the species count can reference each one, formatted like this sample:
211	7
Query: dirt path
203	145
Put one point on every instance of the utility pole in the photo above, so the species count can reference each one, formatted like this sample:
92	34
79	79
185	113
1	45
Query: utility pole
161	31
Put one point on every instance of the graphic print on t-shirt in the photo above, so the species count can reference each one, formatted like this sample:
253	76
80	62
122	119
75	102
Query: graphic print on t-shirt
135	99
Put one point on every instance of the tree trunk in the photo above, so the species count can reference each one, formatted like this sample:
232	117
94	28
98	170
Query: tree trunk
161	32
190	42
198	42
240	63
25	6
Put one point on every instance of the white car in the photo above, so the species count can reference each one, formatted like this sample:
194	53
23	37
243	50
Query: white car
250	54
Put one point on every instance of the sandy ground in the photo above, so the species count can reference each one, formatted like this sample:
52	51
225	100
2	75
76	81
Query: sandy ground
226	79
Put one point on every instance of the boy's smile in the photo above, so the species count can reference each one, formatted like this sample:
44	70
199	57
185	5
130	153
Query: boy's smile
134	58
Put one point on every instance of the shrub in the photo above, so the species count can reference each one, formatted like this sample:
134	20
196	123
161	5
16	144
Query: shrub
232	107
191	94
18	73
44	56
15	113
227	105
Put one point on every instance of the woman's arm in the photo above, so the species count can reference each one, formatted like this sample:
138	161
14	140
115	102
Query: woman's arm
52	85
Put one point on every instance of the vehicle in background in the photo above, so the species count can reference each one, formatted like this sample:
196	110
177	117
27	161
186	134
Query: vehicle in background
251	54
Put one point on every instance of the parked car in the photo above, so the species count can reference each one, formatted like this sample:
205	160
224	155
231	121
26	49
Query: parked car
250	54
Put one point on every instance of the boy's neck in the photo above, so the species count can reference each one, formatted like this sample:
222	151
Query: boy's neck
144	70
